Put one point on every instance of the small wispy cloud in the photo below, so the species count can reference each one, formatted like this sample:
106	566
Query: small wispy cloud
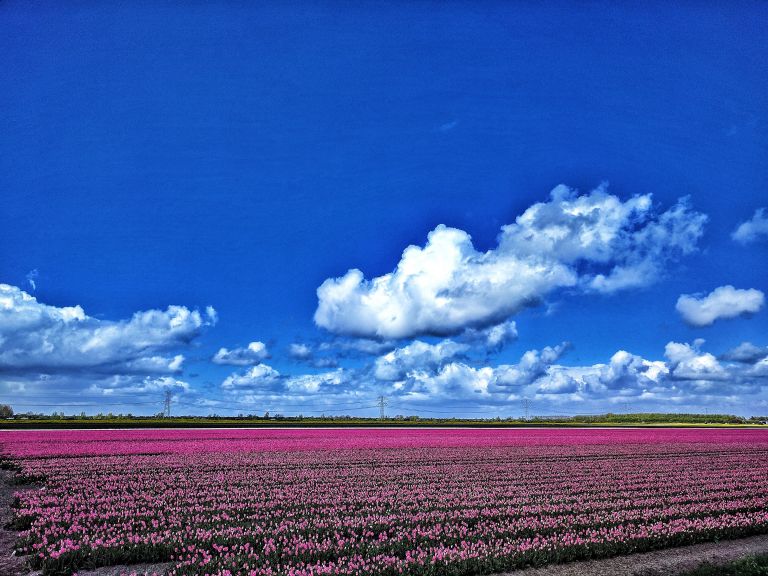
754	229
32	277
307	354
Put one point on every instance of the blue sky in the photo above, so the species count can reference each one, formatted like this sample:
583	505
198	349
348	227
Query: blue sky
228	161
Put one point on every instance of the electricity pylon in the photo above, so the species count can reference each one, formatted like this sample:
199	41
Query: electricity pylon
526	406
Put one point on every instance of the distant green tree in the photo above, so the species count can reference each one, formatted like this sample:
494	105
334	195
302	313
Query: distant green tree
6	411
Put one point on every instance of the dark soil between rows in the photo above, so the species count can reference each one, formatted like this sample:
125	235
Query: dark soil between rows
10	565
669	562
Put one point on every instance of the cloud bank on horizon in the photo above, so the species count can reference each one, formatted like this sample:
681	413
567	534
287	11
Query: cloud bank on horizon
420	376
428	333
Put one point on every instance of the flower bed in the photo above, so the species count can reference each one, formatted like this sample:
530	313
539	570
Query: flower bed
302	502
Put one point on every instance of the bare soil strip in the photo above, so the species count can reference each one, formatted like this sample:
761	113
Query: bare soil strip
670	562
139	569
10	565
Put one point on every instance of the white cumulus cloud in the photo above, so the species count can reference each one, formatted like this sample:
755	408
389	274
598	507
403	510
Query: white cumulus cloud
132	385
312	383
688	362
533	365
38	338
497	336
259	375
254	353
300	351
722	302
357	346
416	356
626	370
493	338
752	230
747	353
307	354
593	242
431	378
455	380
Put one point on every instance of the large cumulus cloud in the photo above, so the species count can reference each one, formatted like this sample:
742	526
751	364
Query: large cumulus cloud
593	242
38	338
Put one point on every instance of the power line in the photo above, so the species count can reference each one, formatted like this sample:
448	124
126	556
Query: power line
419	409
317	411
274	401
235	405
83	404
322	405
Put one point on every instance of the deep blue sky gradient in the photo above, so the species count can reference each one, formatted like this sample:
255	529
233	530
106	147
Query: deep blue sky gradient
239	154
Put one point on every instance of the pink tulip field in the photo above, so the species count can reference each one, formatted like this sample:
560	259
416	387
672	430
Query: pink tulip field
379	502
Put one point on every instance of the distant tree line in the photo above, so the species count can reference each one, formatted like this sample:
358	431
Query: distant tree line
659	418
59	419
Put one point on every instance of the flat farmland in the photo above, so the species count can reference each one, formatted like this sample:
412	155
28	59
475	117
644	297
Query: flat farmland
350	501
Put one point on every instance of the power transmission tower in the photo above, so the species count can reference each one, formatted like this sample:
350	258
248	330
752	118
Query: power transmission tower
382	402
167	408
526	406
